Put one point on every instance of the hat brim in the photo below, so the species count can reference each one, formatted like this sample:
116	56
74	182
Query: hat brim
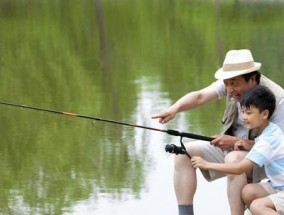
222	75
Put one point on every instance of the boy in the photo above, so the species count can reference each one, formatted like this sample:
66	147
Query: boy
267	198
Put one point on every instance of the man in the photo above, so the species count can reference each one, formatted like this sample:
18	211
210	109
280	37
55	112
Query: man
238	74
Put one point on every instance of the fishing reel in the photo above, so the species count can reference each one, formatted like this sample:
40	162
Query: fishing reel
174	149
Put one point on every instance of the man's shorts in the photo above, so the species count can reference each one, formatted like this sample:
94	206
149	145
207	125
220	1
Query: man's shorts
216	155
276	196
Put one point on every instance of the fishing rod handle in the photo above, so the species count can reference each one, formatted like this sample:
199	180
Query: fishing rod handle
189	135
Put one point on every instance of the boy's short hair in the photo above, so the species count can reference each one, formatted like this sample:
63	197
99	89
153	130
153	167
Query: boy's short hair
260	97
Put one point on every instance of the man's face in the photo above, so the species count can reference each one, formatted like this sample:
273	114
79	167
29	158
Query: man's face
237	86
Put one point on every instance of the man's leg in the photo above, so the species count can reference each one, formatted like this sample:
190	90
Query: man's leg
235	184
185	181
184	184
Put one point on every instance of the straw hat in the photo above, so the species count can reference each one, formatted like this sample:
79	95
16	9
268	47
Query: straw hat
237	62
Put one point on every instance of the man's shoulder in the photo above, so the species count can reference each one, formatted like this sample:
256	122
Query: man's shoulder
265	81
274	87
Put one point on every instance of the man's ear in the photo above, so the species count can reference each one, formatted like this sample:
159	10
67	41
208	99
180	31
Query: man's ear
253	78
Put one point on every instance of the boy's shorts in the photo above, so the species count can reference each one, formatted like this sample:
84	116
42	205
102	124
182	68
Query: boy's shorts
216	155
276	196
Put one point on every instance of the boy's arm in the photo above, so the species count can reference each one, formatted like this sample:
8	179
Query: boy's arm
234	168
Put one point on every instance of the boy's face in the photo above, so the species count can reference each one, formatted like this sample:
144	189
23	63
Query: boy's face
237	86
253	118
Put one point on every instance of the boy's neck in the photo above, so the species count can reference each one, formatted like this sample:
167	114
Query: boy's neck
262	127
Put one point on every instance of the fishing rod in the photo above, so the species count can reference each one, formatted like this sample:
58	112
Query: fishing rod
169	148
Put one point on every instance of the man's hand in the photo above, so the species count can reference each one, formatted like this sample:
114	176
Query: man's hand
198	162
224	142
166	115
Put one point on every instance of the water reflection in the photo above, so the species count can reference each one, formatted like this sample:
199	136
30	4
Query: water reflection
157	191
122	60
157	196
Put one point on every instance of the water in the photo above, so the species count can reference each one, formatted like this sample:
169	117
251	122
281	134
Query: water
120	60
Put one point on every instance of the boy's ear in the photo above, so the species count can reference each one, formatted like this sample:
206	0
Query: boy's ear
265	114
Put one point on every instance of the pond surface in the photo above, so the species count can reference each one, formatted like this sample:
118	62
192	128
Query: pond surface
120	60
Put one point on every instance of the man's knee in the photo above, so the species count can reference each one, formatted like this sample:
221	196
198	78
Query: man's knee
235	156
195	148
182	161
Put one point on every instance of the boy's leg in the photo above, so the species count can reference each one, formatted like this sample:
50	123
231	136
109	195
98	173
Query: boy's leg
255	191
261	198
263	206
278	201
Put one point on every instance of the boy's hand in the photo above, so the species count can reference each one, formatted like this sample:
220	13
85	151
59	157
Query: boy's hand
198	162
242	145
